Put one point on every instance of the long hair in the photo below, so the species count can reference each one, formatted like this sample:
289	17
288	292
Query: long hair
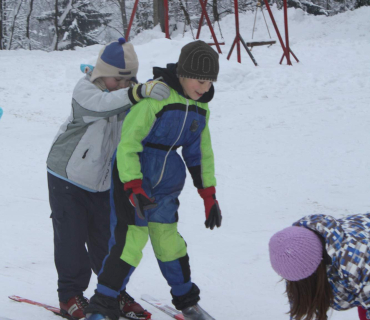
312	297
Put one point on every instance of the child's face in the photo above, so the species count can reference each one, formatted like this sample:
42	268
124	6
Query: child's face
193	88
115	83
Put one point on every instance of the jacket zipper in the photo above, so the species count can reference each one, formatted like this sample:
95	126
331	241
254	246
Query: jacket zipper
168	152
111	124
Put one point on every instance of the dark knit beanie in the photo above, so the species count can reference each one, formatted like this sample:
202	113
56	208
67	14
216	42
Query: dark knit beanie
198	61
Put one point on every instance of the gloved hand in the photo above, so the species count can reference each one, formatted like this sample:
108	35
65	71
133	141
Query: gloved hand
213	212
152	89
138	197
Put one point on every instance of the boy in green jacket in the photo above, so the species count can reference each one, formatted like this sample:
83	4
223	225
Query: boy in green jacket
148	176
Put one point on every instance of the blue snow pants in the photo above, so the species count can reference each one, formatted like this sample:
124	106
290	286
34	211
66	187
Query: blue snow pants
129	234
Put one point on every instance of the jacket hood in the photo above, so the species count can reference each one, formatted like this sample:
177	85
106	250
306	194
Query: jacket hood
169	76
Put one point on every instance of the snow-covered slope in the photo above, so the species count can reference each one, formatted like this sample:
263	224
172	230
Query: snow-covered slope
288	141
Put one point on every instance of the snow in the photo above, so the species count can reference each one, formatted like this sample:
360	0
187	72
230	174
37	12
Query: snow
288	140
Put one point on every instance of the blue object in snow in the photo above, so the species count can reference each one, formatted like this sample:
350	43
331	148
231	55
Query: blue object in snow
86	68
1	113
95	316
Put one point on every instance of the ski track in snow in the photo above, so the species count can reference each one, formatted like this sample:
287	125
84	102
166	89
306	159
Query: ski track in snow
288	142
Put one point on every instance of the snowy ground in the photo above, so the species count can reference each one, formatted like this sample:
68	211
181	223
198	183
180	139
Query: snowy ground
288	141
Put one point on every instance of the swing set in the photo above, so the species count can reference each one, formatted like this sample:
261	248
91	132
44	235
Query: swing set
203	4
238	38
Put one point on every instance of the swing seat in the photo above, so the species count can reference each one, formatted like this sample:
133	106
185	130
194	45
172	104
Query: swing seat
260	43
213	44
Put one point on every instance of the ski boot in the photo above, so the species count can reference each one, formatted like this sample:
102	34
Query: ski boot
74	307
196	313
130	309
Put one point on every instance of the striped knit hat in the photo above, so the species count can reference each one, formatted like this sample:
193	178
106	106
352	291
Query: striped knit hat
295	253
116	59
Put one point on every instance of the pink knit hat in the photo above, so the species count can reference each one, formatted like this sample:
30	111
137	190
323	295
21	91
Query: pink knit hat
295	253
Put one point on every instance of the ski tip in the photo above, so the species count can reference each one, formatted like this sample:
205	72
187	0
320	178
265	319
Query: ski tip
15	298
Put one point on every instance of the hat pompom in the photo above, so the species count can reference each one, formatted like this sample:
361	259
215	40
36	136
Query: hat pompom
122	40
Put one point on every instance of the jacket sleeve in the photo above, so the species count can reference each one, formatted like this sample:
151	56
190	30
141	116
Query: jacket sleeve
96	103
199	159
136	127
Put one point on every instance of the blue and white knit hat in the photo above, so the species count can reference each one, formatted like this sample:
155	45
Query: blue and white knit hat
116	59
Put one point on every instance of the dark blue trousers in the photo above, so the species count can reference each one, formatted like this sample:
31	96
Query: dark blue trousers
81	234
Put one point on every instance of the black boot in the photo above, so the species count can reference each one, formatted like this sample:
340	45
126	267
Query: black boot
104	305
187	300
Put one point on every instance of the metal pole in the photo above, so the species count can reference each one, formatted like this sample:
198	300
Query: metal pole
248	51
231	49
166	24
201	21
287	49
293	55
131	20
210	25
237	39
275	26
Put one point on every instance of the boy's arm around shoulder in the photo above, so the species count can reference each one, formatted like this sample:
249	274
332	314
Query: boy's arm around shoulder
106	104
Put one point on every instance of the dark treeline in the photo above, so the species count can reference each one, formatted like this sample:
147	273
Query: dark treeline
64	24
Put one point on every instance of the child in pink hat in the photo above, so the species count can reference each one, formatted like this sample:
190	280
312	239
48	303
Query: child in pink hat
326	264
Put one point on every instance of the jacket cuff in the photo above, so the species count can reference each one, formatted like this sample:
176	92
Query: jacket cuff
134	93
133	184
207	192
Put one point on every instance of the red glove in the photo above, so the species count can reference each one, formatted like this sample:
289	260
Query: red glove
213	212
138	197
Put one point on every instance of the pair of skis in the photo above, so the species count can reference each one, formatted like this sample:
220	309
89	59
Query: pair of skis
175	314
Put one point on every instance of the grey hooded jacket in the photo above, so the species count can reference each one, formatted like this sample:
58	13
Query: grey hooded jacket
82	149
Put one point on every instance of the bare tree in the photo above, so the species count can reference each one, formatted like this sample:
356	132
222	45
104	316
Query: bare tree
12	26
158	13
56	35
28	24
216	15
121	5
58	22
155	12
2	24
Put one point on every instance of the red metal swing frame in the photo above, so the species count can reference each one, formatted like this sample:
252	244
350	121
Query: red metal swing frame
203	4
286	48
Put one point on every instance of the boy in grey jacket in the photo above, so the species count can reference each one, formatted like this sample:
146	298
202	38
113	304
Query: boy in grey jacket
79	172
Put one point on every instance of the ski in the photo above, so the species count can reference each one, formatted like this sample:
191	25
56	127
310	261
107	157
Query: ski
50	308
163	307
35	303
